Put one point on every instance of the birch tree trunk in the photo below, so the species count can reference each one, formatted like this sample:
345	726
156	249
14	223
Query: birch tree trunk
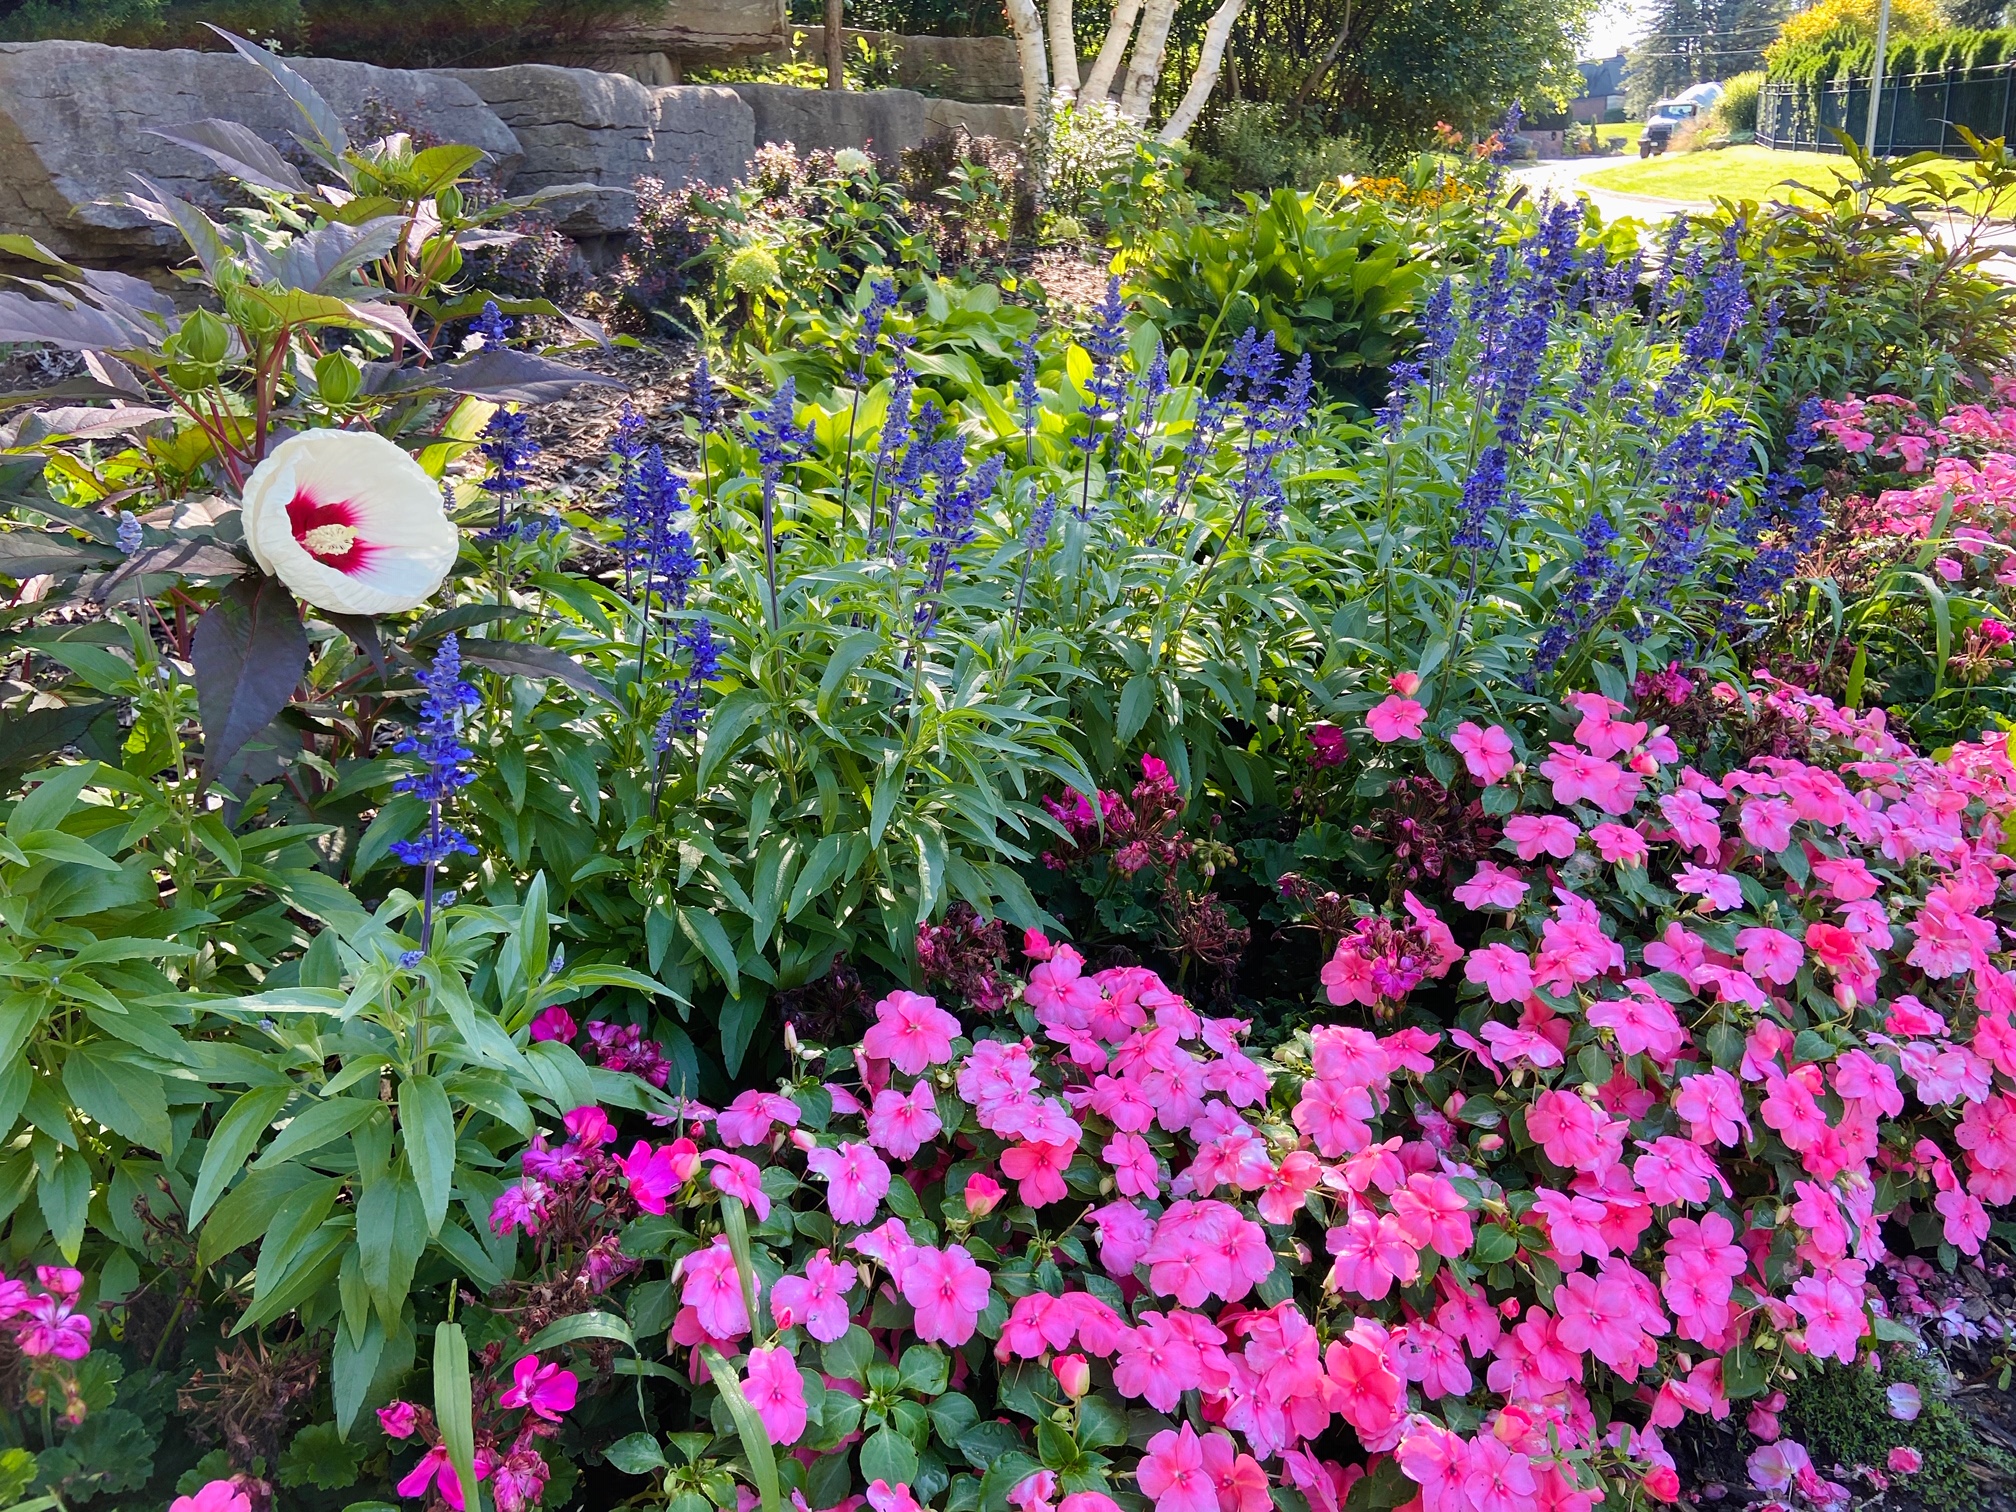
1099	83
1217	32
1144	68
1029	51
836	45
1063	53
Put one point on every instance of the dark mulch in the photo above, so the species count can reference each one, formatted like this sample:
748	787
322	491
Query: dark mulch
1966	1430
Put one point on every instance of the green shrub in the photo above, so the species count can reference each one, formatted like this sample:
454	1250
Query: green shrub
1329	277
1737	109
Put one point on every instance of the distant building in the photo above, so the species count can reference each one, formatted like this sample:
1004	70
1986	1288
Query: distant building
1602	96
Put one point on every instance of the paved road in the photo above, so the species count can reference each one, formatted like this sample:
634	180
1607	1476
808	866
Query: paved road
1565	176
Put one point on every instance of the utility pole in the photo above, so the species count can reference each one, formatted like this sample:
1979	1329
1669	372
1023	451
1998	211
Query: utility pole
1876	79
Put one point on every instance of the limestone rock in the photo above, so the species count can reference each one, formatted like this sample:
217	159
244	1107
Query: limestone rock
576	126
984	70
74	119
886	122
705	134
945	117
699	31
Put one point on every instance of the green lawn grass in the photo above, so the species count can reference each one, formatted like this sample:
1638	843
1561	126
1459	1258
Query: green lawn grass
1738	172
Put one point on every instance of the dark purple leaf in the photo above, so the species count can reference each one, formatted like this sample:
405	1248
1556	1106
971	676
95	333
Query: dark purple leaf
29	553
238	150
188	559
322	120
250	649
501	375
521	659
72	327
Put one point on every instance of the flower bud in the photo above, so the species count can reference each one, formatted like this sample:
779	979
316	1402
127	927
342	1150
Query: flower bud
337	379
397	1420
1074	1376
983	1194
203	339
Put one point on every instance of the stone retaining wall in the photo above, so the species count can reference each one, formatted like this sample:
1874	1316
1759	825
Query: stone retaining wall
75	119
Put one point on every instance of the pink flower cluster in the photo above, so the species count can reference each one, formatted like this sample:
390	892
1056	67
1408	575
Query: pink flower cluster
1626	1155
46	1324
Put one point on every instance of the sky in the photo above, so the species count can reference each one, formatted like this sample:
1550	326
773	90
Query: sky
1617	24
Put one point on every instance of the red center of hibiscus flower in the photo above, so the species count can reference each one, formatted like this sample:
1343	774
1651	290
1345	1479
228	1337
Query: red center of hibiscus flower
329	532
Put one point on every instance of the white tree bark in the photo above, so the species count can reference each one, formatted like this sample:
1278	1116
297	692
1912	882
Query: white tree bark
1217	32
1063	53
1099	83
1029	50
1144	68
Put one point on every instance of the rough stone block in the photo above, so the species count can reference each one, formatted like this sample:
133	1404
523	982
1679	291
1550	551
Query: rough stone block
74	119
984	70
706	134
576	126
945	117
886	122
699	31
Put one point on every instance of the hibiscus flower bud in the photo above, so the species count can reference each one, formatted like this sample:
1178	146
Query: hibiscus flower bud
350	522
983	1194
1074	1376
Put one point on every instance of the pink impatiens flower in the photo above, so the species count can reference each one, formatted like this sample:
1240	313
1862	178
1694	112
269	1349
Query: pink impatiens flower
1503	972
947	1290
903	1125
1037	1168
1486	752
1721	890
911	1032
1172	1473
777	1393
1533	835
1493	887
856	1180
215	1496
817	1300
1834	1316
654	1175
1395	718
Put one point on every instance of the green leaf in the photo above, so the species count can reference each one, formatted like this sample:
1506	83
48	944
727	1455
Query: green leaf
49	803
428	1123
848	1355
925	1371
1137	702
888	1456
454	1408
756	1446
1743	1373
572	1329
639	1454
724	729
237	1133
846	658
318	1125
1493	1245
1101	1423
319	1457
65	1195
705	931
119	1095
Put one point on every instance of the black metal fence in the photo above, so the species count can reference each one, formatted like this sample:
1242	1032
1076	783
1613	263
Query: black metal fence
1918	111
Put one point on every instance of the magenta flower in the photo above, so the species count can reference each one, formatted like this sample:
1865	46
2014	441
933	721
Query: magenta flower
749	1119
1504	973
434	1471
654	1175
214	1496
397	1420
712	1287
982	1194
911	1032
902	1125
739	1178
775	1390
546	1391
554	1023
1326	744
53	1331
